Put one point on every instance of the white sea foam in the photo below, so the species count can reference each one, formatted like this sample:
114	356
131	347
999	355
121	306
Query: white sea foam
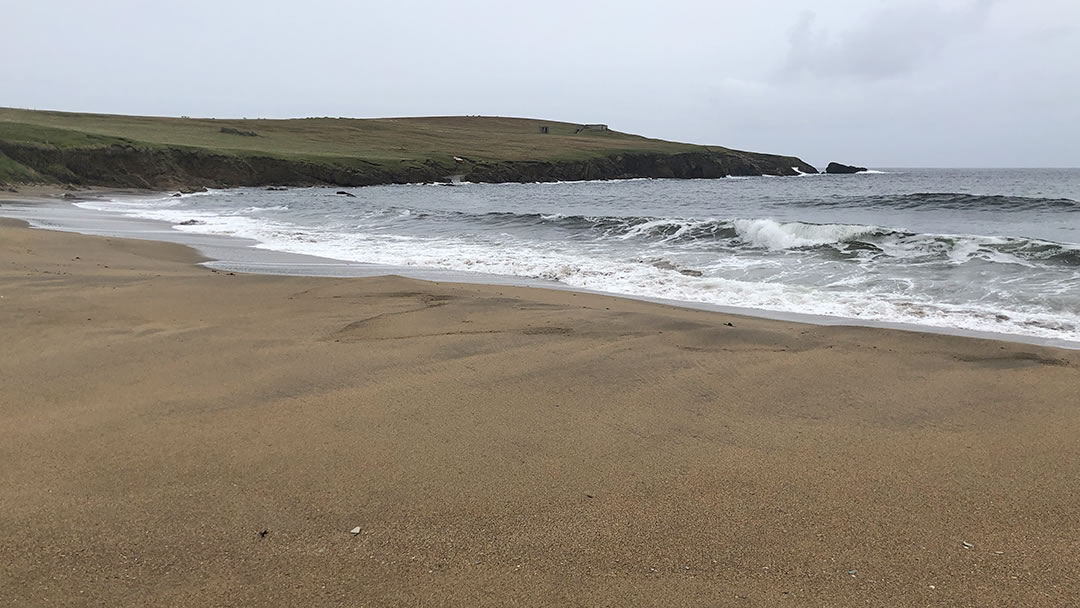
629	277
581	181
727	280
770	234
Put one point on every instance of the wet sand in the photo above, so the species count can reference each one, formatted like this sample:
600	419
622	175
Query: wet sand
175	436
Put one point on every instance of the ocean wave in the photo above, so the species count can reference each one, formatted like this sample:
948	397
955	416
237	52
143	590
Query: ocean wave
770	234
957	201
773	235
859	271
666	278
858	241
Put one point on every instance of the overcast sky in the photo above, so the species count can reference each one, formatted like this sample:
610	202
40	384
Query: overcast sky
884	83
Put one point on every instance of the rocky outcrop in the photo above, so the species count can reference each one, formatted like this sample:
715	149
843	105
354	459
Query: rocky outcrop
837	168
169	168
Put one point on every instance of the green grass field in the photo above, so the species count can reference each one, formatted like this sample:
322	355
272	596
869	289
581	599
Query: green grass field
390	144
378	140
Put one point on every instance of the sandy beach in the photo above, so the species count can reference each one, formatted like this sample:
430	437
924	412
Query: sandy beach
176	436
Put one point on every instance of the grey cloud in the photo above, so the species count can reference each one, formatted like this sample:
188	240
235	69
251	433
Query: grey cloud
875	82
893	41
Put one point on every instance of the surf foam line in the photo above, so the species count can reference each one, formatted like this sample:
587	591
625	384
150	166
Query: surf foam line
869	241
623	270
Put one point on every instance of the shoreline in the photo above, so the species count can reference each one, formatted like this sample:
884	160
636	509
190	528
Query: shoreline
177	435
235	254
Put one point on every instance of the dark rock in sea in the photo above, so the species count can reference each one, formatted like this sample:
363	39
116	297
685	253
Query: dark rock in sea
277	188
838	169
190	223
178	194
348	194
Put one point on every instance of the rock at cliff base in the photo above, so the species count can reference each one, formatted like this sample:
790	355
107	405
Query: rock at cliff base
837	168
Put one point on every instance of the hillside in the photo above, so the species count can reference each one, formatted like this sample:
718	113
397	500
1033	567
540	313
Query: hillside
156	152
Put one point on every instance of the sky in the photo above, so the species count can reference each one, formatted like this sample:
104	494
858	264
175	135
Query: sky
881	83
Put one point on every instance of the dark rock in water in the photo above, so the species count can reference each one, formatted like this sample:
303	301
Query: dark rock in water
345	193
837	168
178	194
277	188
666	265
190	223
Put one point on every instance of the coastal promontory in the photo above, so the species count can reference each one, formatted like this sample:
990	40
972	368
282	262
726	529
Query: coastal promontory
177	153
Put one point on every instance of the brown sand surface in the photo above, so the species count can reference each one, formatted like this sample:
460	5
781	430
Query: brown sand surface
174	436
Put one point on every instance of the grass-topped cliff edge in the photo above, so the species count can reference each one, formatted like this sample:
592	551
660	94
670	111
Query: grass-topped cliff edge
157	152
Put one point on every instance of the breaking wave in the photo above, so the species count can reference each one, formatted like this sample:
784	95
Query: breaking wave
935	275
773	235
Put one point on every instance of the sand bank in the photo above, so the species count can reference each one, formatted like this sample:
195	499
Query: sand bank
175	436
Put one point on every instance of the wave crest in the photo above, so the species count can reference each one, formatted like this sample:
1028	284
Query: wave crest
861	240
770	234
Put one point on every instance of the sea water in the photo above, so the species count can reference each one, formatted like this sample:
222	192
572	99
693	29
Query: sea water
982	250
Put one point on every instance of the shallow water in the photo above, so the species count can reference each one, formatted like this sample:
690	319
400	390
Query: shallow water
982	250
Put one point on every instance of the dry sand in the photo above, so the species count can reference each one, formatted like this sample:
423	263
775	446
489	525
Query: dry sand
174	436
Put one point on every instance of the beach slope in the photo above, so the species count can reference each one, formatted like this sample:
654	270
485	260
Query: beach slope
175	436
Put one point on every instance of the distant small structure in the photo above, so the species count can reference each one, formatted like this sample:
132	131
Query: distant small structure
592	127
543	129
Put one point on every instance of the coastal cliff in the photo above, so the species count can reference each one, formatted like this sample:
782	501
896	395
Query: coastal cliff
167	153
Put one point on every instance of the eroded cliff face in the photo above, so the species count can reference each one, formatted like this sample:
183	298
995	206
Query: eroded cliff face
168	168
173	168
682	166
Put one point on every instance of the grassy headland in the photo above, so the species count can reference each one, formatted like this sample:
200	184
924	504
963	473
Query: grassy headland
157	152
